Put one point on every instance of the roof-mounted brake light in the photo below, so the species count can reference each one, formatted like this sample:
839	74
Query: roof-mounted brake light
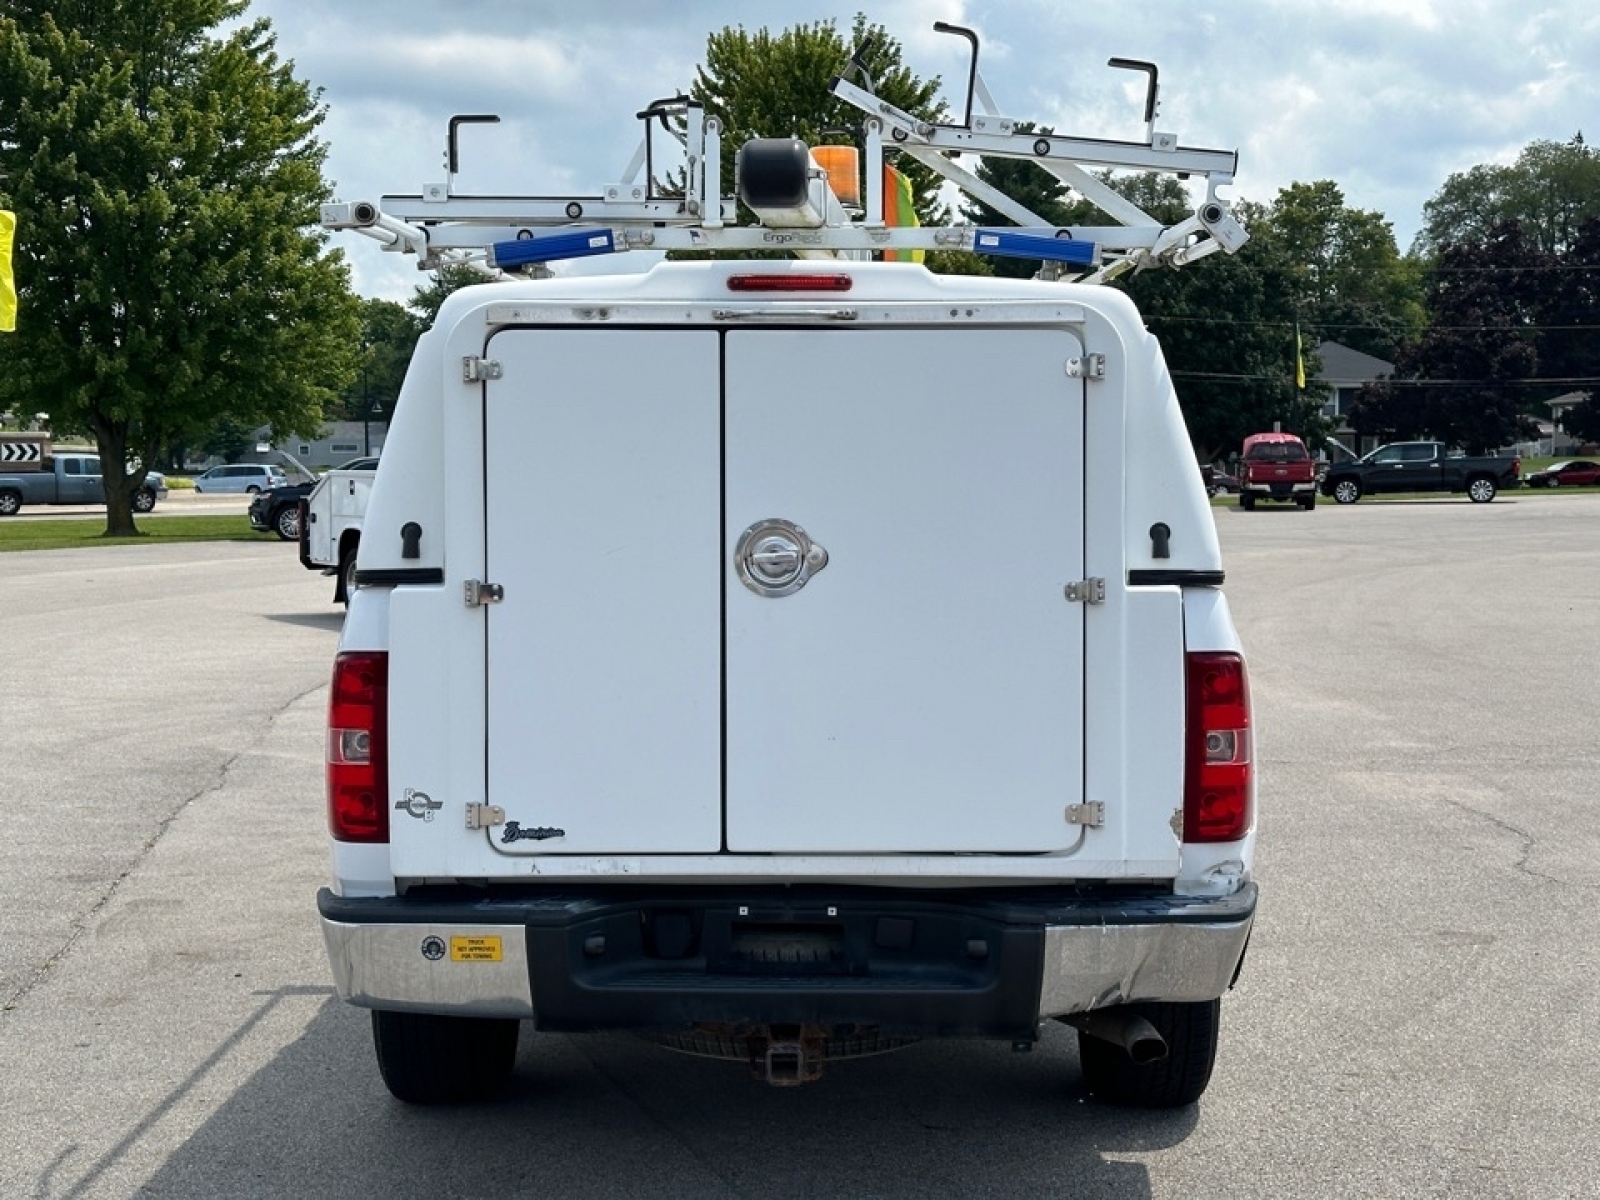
795	282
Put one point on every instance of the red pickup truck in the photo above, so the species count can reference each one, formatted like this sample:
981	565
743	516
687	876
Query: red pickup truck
1276	466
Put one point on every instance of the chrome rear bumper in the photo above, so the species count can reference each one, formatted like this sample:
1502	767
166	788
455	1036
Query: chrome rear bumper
985	963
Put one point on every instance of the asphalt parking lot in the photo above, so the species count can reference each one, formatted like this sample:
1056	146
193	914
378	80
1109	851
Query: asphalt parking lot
1417	1017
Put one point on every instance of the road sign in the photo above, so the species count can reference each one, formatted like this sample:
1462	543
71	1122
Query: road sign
15	453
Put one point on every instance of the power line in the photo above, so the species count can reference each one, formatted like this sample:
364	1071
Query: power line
1288	326
1426	269
1575	381
1572	381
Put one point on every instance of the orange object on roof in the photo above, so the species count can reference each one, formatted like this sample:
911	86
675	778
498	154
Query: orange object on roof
842	163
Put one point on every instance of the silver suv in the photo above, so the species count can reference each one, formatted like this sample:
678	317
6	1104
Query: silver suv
241	477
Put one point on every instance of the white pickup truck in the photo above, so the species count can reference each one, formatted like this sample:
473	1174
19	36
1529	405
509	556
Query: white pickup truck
790	660
329	523
688	690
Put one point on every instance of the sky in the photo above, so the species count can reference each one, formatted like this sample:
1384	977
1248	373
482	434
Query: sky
1387	98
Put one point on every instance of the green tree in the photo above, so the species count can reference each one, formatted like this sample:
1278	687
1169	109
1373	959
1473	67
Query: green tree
166	179
767	84
1350	283
1568	315
1567	310
389	334
1549	190
228	438
1227	332
1160	196
1462	381
427	299
1583	422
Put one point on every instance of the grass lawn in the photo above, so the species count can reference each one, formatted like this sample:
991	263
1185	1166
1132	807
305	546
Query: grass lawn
84	533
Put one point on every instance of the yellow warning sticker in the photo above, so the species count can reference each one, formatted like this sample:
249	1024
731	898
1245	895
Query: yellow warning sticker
475	949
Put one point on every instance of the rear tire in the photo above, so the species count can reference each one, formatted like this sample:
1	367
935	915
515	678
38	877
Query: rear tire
1308	502
429	1059
1190	1031
1481	490
1247	502
10	502
346	586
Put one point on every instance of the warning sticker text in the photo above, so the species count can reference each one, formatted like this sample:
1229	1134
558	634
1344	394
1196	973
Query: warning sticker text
475	949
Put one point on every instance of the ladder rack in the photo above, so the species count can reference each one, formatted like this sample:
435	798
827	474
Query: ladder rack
522	234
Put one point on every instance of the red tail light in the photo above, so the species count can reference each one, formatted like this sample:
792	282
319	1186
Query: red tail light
358	748
1219	761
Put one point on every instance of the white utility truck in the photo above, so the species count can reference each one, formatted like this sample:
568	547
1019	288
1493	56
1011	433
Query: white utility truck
330	524
789	660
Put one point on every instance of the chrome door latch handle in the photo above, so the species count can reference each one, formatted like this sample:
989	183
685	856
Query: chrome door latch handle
776	558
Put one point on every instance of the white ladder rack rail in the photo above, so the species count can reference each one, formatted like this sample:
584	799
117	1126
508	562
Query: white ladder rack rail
441	228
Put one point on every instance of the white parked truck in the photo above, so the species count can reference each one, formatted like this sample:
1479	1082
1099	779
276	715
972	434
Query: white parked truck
330	523
789	660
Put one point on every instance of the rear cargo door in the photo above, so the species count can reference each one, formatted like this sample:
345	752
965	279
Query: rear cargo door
922	689
602	465
317	536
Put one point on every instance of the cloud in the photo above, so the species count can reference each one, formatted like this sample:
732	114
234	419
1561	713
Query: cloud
1385	97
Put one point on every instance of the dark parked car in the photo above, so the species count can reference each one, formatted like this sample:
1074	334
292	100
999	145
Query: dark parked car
278	510
1576	473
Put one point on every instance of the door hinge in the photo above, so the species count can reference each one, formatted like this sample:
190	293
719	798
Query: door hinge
480	593
476	370
1087	591
1091	813
1090	366
483	816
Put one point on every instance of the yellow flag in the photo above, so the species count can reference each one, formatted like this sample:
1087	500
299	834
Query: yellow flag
1299	362
8	284
899	209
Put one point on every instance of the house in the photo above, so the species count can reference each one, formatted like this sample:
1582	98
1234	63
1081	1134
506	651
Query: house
336	442
1340	377
1553	435
1344	370
339	441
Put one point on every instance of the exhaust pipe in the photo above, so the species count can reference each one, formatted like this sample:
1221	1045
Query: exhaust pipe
1120	1027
